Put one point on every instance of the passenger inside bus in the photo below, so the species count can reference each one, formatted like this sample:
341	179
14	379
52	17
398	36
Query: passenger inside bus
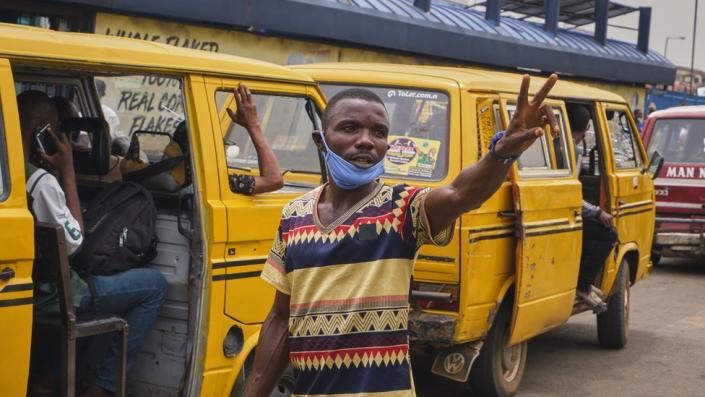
135	294
270	176
599	235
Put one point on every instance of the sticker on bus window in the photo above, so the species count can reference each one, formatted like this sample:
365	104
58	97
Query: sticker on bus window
409	156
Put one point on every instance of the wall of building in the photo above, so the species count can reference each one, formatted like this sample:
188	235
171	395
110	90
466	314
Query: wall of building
280	50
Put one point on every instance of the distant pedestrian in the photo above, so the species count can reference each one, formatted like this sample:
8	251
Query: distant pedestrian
639	117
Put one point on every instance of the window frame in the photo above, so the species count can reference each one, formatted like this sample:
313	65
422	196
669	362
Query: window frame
449	111
223	132
637	145
4	164
83	86
294	183
654	144
508	101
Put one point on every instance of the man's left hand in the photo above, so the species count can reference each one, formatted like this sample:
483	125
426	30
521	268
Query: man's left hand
529	120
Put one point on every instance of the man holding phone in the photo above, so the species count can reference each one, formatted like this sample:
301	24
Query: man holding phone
135	294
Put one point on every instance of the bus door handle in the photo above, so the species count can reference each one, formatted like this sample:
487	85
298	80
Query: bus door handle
7	273
621	202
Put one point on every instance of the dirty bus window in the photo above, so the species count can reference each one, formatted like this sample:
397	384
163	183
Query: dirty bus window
679	140
149	104
418	136
626	151
546	154
285	124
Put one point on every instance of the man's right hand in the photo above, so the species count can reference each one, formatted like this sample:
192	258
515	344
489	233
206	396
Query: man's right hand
62	160
246	113
529	119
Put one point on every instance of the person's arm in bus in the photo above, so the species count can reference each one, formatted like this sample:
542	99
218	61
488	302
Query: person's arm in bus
272	352
270	175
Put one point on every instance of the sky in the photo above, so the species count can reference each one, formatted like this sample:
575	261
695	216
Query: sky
668	18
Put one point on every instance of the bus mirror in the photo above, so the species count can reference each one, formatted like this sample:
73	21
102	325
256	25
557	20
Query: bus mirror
655	164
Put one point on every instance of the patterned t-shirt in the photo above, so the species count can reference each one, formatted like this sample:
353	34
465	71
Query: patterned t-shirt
349	290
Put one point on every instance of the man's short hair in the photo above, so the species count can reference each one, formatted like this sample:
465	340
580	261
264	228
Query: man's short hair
350	93
578	117
35	105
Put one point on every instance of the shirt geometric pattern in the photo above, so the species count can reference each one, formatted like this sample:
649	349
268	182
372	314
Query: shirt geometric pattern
349	290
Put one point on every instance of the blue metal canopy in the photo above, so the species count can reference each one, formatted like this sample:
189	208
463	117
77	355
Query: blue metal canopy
449	31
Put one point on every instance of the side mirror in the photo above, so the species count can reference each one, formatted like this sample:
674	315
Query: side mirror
655	164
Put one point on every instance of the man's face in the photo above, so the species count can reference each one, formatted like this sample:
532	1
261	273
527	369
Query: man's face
357	131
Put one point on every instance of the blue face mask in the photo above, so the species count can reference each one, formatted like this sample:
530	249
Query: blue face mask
346	175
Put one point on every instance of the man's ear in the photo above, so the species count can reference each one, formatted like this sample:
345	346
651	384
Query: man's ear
318	141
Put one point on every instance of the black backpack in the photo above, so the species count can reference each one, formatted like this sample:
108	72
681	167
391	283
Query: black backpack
119	231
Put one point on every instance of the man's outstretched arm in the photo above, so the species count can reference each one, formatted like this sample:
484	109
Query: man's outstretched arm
272	352
478	182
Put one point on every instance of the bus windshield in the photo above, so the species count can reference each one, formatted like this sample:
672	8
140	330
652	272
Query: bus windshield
679	140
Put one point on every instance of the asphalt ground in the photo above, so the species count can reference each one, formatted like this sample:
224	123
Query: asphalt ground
664	356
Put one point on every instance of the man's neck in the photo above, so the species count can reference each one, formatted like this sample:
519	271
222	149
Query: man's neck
343	199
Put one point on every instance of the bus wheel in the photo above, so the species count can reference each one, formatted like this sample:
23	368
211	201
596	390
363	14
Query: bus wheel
613	325
655	258
499	368
285	387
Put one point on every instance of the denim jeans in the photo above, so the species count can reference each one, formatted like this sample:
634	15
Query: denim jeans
136	295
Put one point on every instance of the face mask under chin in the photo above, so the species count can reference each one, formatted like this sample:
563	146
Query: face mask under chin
346	175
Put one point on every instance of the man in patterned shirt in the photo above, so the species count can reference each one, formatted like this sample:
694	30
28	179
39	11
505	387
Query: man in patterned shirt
344	253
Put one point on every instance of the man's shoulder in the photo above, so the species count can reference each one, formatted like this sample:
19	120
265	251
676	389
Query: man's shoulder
302	205
404	190
42	180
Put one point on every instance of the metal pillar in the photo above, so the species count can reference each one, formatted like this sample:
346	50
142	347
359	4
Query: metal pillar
424	5
601	15
644	29
552	12
492	11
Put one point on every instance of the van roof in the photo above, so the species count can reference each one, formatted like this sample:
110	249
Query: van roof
681	111
31	43
469	78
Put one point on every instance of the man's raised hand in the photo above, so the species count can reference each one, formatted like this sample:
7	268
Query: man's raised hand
246	113
529	119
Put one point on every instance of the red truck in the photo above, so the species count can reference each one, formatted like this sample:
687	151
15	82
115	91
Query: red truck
678	134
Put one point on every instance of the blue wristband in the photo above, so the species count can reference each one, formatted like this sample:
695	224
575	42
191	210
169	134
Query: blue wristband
493	153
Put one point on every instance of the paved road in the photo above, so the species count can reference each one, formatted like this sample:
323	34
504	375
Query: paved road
665	355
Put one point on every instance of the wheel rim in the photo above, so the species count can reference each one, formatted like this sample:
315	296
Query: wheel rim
510	359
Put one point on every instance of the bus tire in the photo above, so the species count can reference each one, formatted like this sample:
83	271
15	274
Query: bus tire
655	258
613	324
284	388
499	369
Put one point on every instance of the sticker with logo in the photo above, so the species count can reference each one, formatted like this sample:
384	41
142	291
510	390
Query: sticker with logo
73	232
408	156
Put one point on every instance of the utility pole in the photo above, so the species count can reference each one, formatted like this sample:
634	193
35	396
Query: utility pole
665	49
692	52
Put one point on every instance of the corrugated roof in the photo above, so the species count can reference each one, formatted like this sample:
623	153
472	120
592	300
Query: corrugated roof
448	31
472	20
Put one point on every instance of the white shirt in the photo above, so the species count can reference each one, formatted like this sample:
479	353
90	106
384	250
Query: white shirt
113	121
49	205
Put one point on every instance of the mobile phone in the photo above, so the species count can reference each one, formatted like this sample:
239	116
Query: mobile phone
44	141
